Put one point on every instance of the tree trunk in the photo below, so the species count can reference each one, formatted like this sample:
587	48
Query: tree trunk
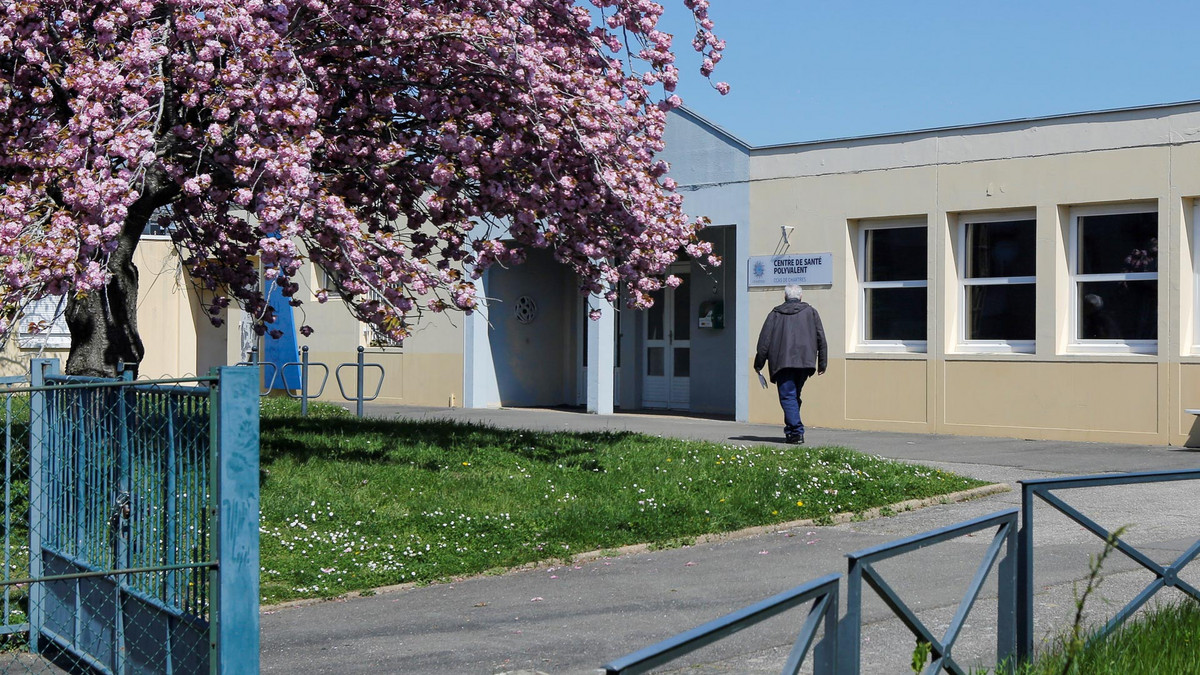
103	323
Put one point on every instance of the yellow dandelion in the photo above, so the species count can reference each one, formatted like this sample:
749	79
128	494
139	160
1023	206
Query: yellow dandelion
799	503
466	464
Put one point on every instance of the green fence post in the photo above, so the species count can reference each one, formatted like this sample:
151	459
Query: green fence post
39	412
234	508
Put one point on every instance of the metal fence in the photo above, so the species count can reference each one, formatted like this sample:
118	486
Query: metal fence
1009	555
130	524
862	568
821	593
1044	489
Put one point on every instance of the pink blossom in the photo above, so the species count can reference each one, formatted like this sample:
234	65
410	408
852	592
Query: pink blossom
387	141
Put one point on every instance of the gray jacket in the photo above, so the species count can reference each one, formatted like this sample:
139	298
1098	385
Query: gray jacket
792	337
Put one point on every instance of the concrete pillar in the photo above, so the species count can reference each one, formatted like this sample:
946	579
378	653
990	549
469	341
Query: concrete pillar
600	359
744	332
480	387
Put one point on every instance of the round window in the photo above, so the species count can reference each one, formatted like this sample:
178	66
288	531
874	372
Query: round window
526	309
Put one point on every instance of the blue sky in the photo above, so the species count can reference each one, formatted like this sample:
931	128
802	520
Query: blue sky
805	70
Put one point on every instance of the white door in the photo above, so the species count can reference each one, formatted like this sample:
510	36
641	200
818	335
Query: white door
666	379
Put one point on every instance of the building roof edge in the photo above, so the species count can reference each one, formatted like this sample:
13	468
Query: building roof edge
712	126
895	135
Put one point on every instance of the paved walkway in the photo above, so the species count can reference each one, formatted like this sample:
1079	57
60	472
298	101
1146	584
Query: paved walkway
575	618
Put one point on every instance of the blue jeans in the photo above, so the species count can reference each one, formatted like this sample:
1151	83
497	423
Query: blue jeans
789	382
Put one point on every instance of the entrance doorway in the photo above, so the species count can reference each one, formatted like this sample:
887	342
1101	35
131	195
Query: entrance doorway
666	381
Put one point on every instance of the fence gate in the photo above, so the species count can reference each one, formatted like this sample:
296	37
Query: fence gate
130	524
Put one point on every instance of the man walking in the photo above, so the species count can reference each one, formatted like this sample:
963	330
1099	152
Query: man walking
793	341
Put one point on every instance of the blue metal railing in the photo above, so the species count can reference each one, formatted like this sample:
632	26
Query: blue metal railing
1164	575
1014	574
123	505
137	550
861	568
822	593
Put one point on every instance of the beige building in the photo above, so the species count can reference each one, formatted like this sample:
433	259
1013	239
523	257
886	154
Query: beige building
180	341
1032	278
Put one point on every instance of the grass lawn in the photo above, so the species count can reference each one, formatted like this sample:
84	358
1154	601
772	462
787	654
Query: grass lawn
1166	639
352	504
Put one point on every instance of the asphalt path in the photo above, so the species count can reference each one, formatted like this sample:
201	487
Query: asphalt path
574	618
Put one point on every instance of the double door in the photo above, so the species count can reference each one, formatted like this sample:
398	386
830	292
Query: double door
666	377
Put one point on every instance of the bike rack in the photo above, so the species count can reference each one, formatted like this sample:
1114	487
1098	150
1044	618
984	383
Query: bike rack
263	367
359	367
304	365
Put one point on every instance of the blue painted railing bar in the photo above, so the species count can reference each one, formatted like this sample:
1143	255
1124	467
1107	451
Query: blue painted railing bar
861	569
234	505
822	593
39	440
360	367
13	620
1165	576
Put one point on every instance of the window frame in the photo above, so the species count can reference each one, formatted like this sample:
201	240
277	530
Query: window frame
52	310
1195	276
889	346
1195	346
966	344
1076	344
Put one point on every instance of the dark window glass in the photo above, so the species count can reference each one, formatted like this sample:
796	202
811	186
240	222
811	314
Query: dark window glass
655	317
895	254
1001	312
683	303
895	314
654	361
682	364
617	339
1002	249
1118	310
1118	243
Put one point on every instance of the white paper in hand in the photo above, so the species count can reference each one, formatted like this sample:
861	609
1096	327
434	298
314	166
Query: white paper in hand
762	380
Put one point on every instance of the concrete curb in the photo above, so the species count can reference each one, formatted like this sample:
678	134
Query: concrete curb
591	556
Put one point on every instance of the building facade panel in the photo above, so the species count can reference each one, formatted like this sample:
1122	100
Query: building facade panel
1015	398
884	391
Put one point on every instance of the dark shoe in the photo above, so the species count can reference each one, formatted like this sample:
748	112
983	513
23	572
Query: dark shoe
795	440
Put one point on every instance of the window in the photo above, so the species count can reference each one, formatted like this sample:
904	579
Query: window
156	229
999	268
1114	273
893	278
42	326
375	336
322	282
